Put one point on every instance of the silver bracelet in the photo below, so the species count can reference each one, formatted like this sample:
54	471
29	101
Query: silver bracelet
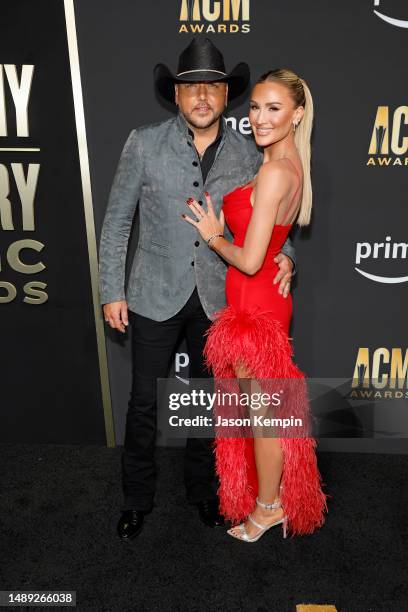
212	238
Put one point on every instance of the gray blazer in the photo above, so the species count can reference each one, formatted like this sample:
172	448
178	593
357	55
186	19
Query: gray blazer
156	171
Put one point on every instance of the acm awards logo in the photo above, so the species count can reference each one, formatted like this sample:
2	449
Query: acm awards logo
392	20
388	144
382	253
380	374
214	16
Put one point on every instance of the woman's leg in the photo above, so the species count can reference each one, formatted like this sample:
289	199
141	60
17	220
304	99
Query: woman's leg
269	464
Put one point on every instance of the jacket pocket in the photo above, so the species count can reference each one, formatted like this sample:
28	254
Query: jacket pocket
150	246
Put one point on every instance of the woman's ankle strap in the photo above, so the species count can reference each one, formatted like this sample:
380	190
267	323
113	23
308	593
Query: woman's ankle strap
276	504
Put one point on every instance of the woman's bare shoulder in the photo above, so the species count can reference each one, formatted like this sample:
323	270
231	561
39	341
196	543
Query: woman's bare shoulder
275	174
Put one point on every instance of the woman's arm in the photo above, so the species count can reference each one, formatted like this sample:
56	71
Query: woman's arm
273	186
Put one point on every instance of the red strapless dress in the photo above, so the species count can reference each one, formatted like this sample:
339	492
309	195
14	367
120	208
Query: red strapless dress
253	328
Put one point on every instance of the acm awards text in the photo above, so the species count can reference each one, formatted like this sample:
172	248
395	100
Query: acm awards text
17	213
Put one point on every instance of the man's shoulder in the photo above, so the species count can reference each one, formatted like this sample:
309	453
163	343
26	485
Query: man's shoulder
154	128
243	142
143	137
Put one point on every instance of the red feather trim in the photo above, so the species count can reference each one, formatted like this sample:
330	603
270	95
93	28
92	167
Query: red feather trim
262	345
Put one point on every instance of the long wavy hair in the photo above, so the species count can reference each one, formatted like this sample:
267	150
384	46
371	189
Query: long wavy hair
301	96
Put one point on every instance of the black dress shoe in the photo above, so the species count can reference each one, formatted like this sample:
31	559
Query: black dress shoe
130	524
209	514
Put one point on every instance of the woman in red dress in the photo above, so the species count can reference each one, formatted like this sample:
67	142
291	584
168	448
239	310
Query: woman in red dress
265	481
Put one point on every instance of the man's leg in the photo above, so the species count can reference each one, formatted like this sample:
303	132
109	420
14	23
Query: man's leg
199	464
153	344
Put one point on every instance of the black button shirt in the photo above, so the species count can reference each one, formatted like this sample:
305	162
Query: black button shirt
207	159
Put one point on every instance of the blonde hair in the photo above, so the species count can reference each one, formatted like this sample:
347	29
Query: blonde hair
302	97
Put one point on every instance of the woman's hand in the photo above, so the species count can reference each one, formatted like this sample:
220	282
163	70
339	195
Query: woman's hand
207	222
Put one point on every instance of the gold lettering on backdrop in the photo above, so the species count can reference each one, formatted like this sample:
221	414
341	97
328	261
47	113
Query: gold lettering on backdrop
26	188
3	117
400	114
13	256
196	10
211	15
210	11
399	370
196	28
25	177
33	288
379	138
6	219
384	161
20	92
379	379
387	138
226	15
236	7
387	368
387	161
361	376
11	292
184	11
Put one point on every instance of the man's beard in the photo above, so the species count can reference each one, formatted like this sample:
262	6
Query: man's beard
203	126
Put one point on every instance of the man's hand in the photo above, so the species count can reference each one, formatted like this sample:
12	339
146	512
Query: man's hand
116	314
284	276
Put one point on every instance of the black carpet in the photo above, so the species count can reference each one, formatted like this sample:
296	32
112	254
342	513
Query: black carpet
60	506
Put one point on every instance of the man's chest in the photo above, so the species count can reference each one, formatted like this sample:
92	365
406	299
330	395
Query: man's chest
178	174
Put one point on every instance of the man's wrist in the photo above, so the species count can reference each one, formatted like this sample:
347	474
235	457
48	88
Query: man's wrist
291	259
110	299
293	264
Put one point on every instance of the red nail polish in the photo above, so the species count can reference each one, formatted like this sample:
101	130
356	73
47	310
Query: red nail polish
207	194
184	216
189	200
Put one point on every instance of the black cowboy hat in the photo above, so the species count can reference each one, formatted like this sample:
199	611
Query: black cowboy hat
201	61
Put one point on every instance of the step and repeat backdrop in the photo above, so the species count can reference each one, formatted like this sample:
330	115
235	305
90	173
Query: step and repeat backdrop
67	66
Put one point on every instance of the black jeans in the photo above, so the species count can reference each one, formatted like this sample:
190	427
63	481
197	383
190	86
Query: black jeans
153	345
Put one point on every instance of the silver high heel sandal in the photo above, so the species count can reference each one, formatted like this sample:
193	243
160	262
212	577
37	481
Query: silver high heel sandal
244	535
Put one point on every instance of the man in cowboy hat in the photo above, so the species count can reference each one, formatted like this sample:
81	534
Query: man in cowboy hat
176	283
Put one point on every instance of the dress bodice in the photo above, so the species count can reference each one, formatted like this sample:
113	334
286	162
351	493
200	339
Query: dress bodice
255	291
237	209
